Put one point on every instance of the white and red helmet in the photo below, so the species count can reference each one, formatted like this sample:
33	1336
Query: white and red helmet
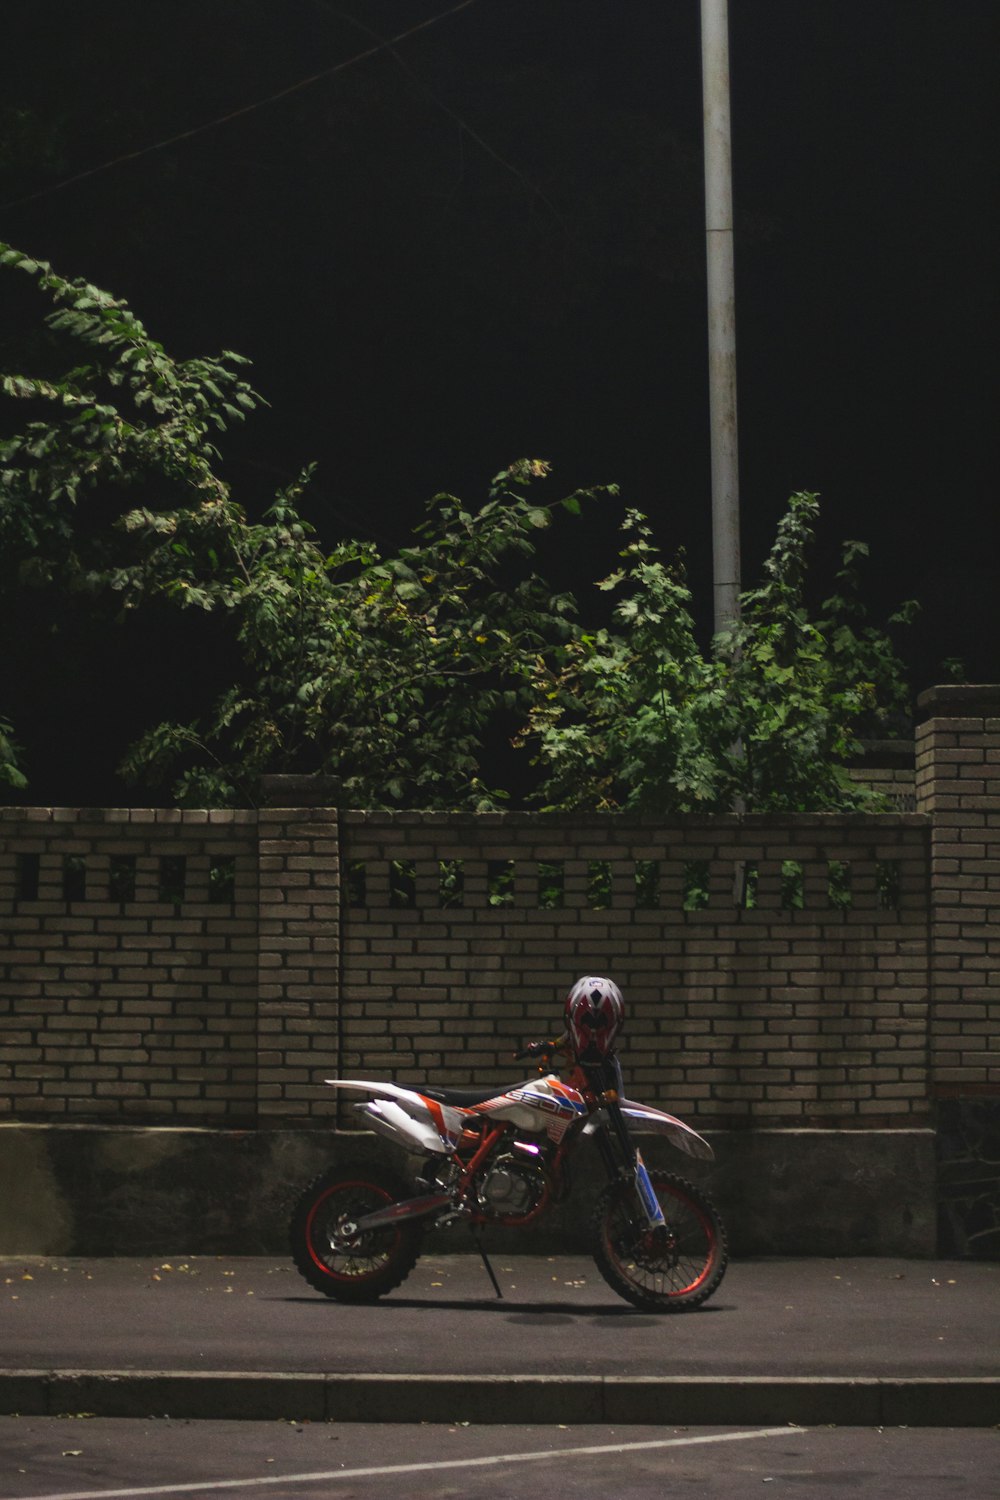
595	1013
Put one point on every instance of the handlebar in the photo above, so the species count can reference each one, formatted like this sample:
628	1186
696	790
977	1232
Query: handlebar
536	1049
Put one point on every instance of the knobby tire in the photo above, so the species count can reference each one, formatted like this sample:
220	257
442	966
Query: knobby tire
671	1269
352	1268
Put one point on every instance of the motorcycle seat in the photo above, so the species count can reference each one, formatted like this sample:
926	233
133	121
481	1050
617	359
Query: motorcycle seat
461	1098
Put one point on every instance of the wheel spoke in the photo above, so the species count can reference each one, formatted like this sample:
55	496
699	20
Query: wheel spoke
331	1254
678	1264
350	1254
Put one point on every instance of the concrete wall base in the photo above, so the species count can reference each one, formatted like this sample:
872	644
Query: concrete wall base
124	1190
968	1138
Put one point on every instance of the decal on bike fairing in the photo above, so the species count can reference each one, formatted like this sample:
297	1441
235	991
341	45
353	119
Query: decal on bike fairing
565	1106
437	1114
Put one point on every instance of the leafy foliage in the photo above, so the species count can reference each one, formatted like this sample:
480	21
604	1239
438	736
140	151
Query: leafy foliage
388	675
126	420
391	675
129	419
10	773
638	717
617	723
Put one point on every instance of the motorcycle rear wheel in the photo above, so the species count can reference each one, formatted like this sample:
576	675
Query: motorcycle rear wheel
328	1251
668	1269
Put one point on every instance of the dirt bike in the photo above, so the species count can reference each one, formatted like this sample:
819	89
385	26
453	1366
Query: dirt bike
502	1159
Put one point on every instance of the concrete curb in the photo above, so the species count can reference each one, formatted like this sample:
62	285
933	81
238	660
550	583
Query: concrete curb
686	1400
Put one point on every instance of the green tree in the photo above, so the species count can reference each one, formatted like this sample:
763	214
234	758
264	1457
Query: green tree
112	417
129	418
637	716
394	676
10	772
388	675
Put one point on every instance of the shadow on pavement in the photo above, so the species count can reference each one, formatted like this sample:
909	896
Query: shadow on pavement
534	1312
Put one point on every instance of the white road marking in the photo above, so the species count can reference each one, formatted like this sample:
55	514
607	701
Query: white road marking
325	1476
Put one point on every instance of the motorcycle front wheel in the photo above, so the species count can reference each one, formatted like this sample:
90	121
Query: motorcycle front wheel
669	1268
330	1252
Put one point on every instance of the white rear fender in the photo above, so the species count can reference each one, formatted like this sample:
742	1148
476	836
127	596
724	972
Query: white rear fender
391	1120
643	1119
433	1126
377	1090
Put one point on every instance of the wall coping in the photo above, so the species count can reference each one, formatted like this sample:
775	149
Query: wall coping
520	819
288	790
215	816
961	700
723	821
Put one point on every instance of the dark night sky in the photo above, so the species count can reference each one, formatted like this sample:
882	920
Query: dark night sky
490	245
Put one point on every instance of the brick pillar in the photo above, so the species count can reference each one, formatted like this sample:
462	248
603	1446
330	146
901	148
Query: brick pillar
958	784
299	963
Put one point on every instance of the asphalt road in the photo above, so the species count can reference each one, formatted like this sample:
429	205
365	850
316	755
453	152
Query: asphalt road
808	1342
787	1318
49	1459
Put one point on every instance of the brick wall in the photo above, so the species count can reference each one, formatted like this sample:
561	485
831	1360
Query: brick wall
128	965
888	766
774	969
958	784
213	968
299	990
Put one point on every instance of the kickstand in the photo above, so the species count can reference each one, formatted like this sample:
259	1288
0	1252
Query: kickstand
486	1262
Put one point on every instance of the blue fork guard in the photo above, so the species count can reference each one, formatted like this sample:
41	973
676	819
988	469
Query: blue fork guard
650	1202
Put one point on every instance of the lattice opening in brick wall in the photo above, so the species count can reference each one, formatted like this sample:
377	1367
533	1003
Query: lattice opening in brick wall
128	966
774	970
198	967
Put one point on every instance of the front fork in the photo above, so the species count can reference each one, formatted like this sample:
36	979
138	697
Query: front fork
633	1159
648	1198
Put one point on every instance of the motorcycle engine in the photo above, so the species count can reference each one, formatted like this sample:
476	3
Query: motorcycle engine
513	1185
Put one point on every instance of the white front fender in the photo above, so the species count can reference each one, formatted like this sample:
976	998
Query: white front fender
643	1119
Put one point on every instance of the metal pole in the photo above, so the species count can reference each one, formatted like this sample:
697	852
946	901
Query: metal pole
721	311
